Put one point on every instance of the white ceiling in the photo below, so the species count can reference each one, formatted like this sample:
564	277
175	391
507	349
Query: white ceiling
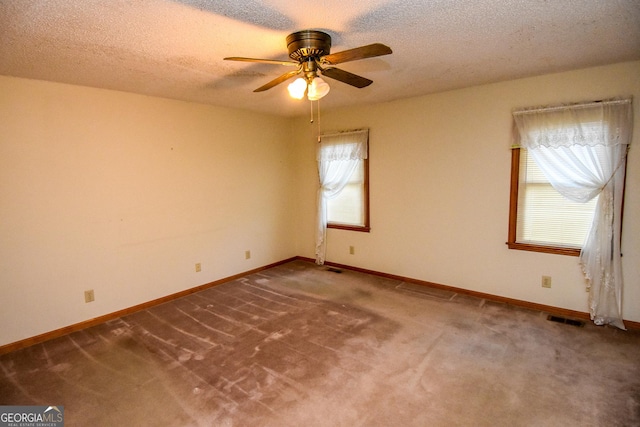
174	48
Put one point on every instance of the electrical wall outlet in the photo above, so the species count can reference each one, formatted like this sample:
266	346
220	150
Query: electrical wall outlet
89	296
352	250
546	281
247	254
198	267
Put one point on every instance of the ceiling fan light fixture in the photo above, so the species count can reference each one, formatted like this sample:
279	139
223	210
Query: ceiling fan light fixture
310	52
318	88
297	88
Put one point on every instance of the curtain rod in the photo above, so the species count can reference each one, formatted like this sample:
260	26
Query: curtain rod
344	133
568	107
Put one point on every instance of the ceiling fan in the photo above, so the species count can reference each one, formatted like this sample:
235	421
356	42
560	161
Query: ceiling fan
309	51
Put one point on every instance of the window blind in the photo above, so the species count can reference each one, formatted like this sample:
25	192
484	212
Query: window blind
546	217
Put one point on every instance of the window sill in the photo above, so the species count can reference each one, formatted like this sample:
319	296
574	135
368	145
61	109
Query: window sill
545	249
364	229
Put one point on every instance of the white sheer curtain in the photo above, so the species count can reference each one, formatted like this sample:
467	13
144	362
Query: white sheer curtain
582	151
338	156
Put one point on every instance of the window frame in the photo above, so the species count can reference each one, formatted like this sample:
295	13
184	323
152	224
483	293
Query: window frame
366	228
513	216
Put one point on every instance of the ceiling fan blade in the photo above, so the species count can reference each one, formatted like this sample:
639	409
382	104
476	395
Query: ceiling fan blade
362	52
277	81
263	61
346	77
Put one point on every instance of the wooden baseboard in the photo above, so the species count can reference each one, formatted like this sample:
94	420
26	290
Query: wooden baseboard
7	348
490	297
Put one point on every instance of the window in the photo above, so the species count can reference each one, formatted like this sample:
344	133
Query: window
541	219
350	208
343	193
582	150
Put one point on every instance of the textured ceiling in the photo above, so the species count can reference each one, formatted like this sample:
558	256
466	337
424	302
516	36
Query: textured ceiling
174	48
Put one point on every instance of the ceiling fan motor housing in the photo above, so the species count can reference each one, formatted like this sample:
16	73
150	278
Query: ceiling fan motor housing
308	43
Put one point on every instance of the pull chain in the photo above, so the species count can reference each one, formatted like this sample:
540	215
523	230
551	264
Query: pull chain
318	118
311	119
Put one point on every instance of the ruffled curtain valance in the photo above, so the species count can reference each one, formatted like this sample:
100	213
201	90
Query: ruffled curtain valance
343	146
604	123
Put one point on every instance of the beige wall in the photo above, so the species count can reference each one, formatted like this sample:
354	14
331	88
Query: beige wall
123	194
440	167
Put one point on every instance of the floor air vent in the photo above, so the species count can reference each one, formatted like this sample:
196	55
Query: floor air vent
571	322
334	270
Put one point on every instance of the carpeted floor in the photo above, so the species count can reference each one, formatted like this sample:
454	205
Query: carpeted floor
298	345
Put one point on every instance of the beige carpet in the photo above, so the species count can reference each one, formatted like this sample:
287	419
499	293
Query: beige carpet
298	345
